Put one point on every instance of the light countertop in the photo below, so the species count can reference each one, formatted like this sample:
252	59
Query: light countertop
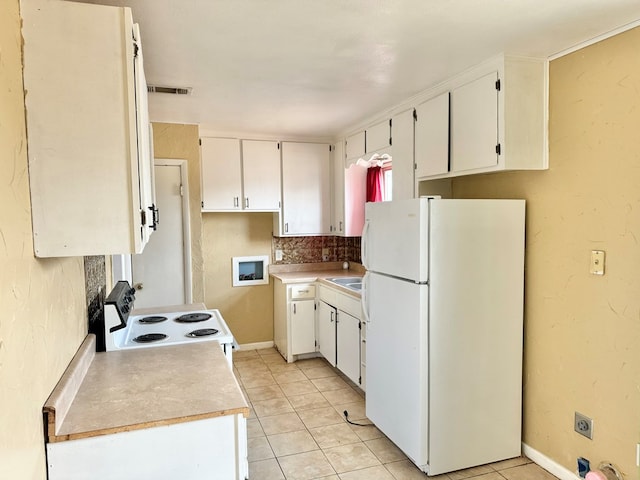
310	273
126	390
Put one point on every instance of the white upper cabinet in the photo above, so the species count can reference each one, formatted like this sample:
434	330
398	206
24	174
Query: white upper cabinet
221	172
498	120
355	146
403	157
474	125
89	145
378	137
306	189
240	175
432	137
261	175
338	189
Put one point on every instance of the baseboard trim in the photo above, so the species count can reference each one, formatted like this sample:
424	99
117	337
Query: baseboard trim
549	465
255	346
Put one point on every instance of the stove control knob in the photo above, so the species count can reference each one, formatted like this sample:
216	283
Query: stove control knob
131	291
126	308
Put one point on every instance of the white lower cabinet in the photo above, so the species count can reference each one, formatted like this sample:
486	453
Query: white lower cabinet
339	331
348	345
294	331
327	332
211	448
302	321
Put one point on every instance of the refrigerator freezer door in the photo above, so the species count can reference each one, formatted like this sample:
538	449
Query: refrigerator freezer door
396	375
395	239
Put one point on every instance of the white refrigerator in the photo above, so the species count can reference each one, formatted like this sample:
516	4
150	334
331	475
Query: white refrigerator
443	301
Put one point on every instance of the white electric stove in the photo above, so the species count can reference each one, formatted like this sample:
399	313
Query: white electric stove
124	329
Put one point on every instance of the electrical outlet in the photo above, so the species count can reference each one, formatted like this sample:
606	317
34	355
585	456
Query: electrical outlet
583	425
278	255
325	254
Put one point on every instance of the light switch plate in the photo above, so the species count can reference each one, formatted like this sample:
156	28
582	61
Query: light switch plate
597	262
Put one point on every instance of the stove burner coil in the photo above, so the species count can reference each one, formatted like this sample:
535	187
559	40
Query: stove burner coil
203	332
152	319
193	317
150	337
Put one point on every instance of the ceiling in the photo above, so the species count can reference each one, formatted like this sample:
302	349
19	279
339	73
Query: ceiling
315	68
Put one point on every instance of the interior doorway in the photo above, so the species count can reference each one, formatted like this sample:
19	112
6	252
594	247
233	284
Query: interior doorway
161	274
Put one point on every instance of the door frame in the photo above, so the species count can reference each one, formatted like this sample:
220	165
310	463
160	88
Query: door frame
121	264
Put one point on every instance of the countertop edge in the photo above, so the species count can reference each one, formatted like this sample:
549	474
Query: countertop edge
319	276
244	411
57	405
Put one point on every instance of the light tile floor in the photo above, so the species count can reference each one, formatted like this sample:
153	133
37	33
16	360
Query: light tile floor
297	430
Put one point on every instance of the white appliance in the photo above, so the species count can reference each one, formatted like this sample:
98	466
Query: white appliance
123	329
443	301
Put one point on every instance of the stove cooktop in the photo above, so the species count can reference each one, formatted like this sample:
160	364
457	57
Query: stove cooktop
144	331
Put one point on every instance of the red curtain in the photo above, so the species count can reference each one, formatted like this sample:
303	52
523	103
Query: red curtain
375	179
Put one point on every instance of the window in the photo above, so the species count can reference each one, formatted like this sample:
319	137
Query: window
387	175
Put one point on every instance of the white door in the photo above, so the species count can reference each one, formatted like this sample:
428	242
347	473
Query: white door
261	175
397	356
474	124
347	345
327	332
306	188
161	274
432	137
395	238
303	332
221	174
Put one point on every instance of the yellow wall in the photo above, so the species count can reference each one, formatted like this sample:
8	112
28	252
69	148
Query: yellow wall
44	316
582	332
181	142
247	310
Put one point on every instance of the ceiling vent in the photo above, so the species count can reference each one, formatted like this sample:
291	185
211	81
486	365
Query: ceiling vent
170	90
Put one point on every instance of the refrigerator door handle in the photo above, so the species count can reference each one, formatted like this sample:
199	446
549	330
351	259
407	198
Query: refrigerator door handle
363	247
363	297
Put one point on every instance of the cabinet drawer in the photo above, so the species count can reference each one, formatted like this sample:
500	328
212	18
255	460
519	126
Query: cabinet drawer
299	292
350	305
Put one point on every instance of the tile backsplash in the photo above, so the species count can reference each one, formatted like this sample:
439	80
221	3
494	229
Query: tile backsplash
310	249
95	279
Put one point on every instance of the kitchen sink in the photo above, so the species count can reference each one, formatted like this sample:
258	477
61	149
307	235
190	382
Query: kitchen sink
353	283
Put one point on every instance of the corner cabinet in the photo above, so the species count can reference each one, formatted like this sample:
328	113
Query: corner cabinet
89	144
491	118
306	190
294	330
240	175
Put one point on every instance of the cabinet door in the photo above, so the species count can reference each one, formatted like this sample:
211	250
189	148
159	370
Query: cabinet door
354	146
348	345
221	174
303	332
337	192
403	171
432	137
261	175
378	137
474	124
327	332
306	188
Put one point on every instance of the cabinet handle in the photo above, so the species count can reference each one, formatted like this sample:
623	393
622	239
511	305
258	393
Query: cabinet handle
246	202
286	227
331	317
236	202
294	308
340	225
